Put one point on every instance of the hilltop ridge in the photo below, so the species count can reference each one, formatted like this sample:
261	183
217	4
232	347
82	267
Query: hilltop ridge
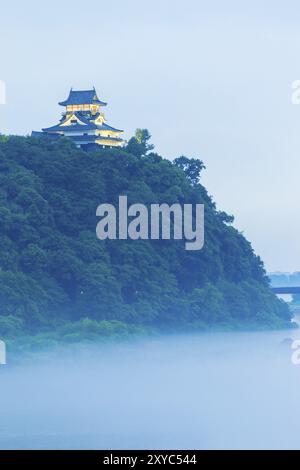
58	279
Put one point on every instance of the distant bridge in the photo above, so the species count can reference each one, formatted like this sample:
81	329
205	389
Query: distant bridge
286	290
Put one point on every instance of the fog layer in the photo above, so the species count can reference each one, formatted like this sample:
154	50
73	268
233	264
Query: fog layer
209	391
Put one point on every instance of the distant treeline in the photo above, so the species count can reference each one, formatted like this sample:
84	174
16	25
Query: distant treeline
279	279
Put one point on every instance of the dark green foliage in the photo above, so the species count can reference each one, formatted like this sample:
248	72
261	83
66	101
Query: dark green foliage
139	144
191	166
54	271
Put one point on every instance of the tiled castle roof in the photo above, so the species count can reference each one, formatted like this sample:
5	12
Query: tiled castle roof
87	125
82	97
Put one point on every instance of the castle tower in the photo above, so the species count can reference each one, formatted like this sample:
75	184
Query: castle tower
84	122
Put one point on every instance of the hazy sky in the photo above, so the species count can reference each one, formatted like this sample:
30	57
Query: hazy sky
208	79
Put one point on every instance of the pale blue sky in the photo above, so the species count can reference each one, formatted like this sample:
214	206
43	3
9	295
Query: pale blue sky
208	79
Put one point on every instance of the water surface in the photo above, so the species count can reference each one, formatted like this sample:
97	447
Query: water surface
206	391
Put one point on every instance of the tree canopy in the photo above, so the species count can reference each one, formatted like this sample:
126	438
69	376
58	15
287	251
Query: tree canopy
54	272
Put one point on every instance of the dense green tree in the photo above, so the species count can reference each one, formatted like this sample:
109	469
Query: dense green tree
54	272
139	144
191	166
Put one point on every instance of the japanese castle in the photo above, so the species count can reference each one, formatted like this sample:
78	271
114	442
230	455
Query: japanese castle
84	123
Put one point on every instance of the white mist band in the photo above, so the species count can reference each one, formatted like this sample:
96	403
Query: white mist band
153	225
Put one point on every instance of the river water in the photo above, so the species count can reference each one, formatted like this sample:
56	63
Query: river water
206	391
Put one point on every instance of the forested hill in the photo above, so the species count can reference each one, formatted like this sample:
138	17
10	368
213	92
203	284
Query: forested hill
57	278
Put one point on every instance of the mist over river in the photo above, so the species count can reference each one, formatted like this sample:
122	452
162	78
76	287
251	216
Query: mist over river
206	391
